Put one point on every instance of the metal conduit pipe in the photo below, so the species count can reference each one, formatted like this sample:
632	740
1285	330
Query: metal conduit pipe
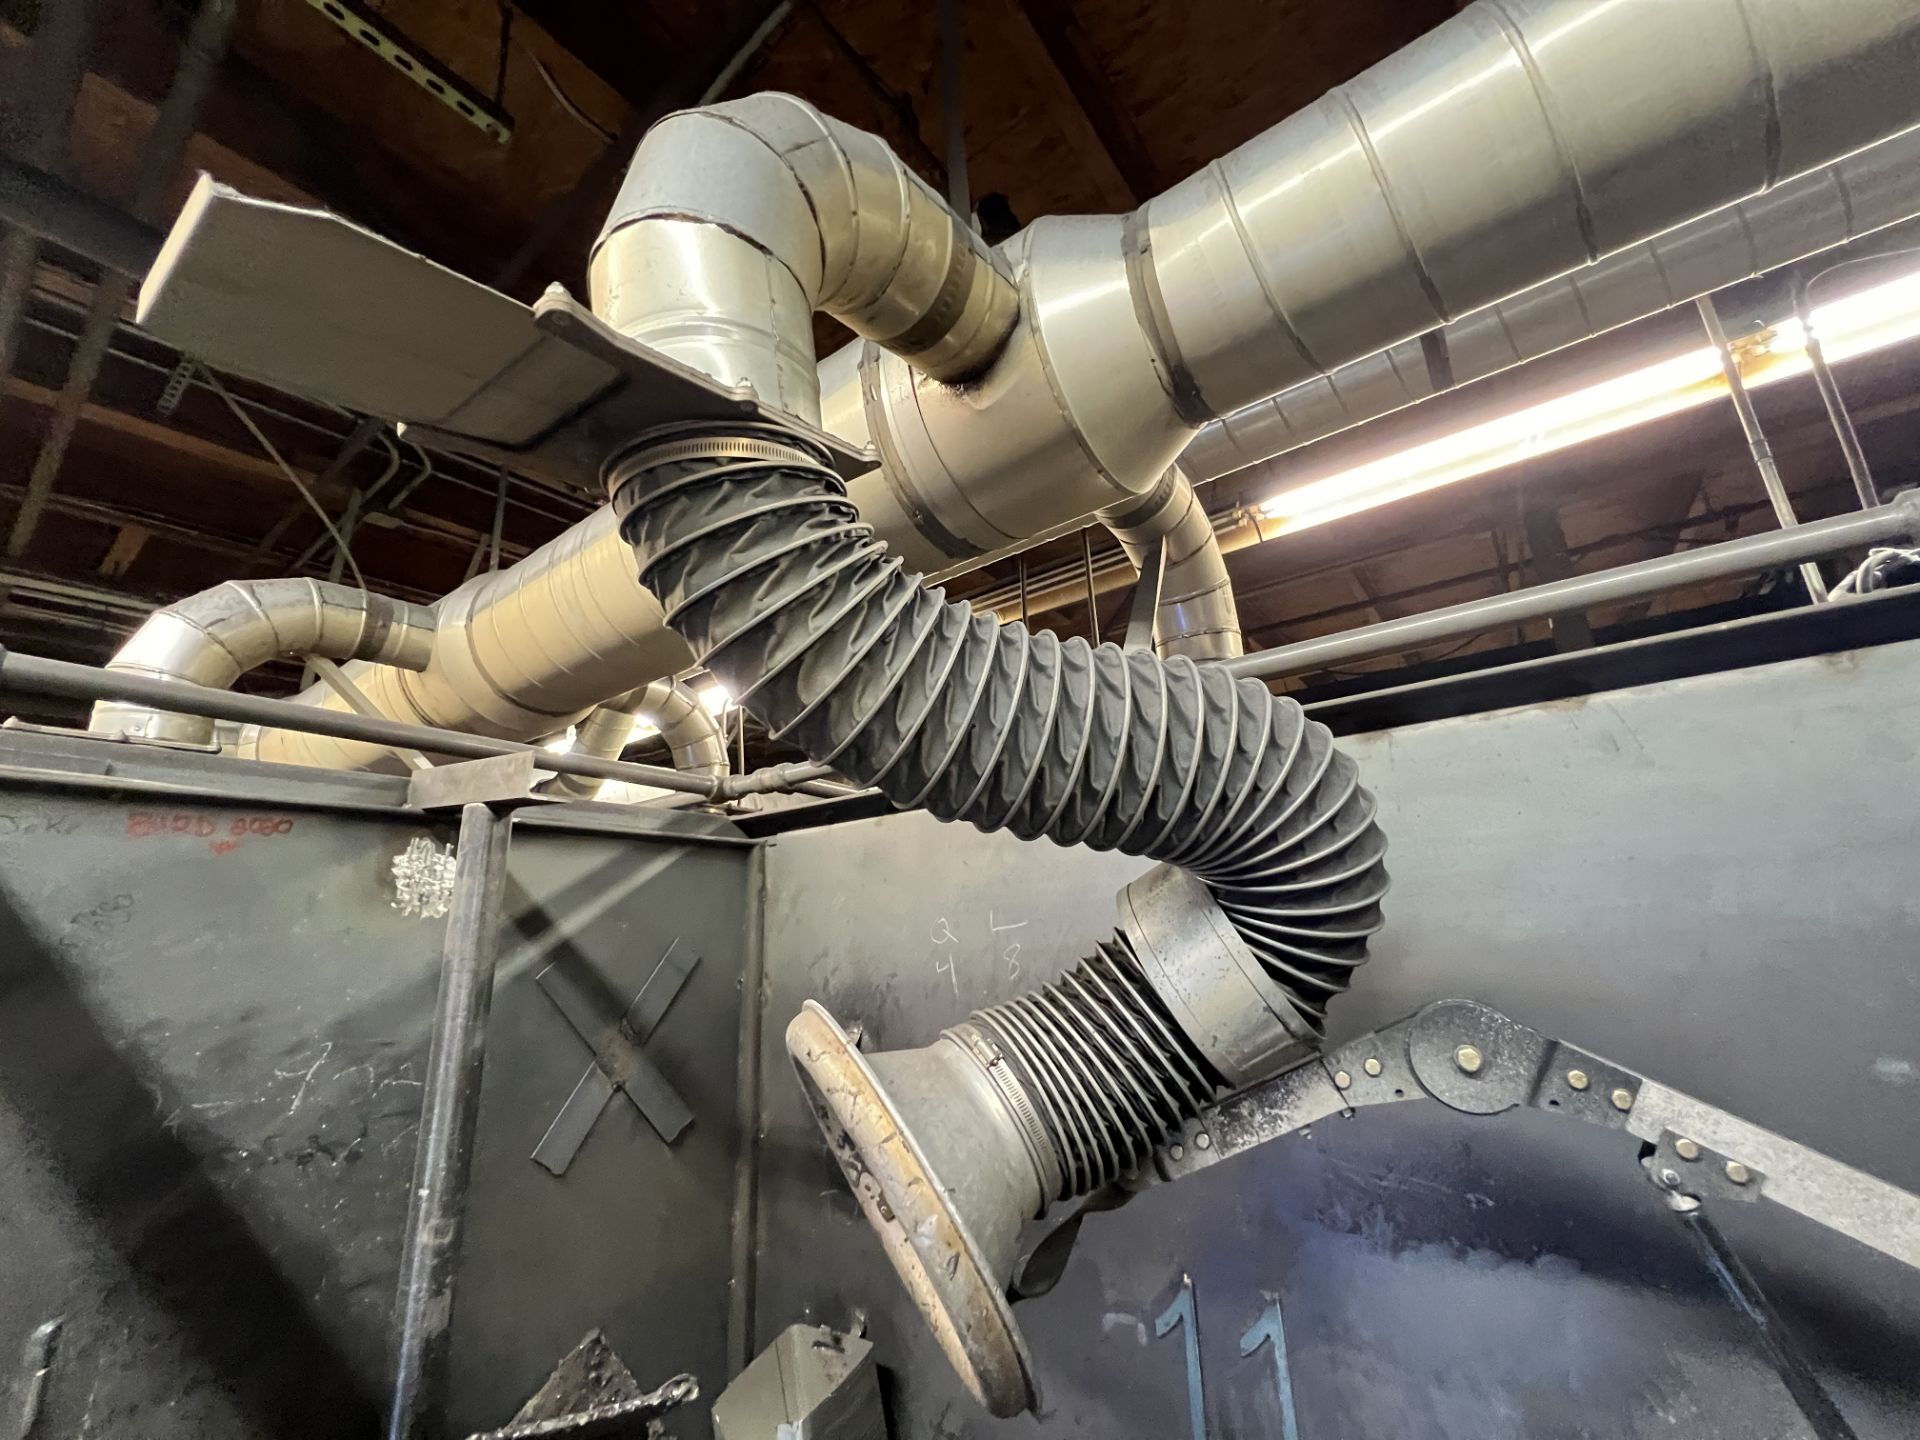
691	733
1196	617
1896	523
519	653
767	197
1818	211
217	636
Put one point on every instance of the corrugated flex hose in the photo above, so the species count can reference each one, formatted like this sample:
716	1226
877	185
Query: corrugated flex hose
766	570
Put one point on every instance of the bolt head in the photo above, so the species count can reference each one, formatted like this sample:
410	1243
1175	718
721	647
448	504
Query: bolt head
1469	1059
1578	1079
1687	1149
1738	1173
1372	1066
1670	1178
1622	1099
1177	1152
1342	1079
1203	1141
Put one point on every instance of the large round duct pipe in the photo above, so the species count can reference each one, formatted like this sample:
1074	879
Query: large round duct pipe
1088	409
1816	212
218	635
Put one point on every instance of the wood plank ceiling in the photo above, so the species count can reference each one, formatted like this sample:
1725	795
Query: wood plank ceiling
1069	105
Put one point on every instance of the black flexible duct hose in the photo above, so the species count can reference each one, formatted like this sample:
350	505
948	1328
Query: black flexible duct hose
766	570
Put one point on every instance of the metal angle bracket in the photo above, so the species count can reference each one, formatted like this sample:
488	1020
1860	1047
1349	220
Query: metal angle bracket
497	780
592	1393
312	303
618	1062
650	391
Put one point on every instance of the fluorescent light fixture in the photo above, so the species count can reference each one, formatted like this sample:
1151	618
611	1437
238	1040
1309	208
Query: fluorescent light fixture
1857	325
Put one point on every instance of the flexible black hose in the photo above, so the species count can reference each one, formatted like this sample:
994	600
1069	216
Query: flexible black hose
766	570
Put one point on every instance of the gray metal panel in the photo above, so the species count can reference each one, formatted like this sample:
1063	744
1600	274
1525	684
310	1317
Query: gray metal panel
1710	880
212	1022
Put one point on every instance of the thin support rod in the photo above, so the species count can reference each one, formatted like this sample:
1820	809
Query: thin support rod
1740	1287
1830	397
1897	523
63	680
1093	593
1762	452
499	519
449	1109
953	117
1022	563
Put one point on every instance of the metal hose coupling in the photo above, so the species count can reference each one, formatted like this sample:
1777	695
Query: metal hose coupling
1225	957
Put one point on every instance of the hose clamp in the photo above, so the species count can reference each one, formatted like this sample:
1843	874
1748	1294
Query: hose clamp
1033	1131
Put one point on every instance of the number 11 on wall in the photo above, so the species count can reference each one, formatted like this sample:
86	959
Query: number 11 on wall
1269	1329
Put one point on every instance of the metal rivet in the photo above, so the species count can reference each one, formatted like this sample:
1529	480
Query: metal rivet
1670	1178
1469	1059
1687	1149
1372	1066
1738	1173
1203	1141
1342	1079
1178	1152
1622	1099
1577	1079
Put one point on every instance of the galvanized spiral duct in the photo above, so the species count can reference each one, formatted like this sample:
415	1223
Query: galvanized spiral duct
768	573
1107	1068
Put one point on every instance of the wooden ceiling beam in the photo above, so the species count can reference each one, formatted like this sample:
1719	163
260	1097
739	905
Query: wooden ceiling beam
906	118
219	457
1083	77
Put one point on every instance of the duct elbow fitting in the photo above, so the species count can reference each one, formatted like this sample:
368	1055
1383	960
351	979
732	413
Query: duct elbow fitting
1196	616
737	221
218	635
691	734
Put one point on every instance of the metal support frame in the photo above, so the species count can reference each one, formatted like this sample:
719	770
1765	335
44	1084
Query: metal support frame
1894	523
1757	445
61	679
449	1111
